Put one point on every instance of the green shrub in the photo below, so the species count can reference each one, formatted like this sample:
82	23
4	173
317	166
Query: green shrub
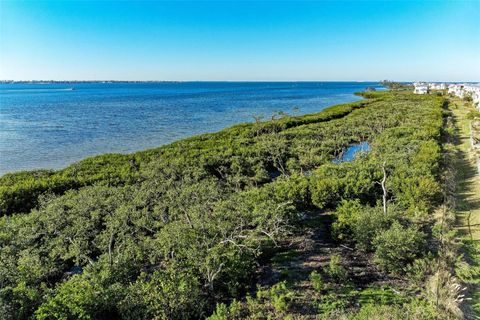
335	270
360	224
397	247
79	298
166	294
346	214
236	310
473	115
316	280
369	223
279	296
420	269
332	304
220	313
415	310
379	296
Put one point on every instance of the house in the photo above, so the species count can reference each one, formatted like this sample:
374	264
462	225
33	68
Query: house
473	90
456	90
466	90
437	86
420	88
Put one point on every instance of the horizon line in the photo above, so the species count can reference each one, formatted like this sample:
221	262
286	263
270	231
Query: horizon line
253	81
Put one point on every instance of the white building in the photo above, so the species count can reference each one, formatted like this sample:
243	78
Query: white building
437	86
420	88
473	90
456	90
460	90
465	90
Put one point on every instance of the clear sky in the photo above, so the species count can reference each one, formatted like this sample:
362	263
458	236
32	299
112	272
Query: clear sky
233	40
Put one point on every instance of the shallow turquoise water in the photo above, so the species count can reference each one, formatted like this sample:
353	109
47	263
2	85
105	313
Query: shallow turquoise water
51	126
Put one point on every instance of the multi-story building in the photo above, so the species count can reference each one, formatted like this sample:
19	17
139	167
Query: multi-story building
420	88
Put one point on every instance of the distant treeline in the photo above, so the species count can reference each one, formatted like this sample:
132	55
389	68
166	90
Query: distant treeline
392	85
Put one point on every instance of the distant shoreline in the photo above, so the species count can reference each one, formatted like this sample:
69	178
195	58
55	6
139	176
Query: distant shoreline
179	81
207	81
99	118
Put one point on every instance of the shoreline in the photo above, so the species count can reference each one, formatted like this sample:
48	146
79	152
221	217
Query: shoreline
354	98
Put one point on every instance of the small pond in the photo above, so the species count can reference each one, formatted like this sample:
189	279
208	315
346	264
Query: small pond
350	153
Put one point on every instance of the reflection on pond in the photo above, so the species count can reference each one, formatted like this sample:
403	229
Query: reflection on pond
350	153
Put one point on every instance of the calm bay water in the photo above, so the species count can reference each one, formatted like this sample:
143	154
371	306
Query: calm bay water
51	126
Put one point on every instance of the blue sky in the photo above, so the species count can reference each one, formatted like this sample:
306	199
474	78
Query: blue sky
233	40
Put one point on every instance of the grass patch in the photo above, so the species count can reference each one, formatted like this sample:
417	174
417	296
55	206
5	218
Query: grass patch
284	257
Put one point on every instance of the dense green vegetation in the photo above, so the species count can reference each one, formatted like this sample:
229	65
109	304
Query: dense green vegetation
179	232
393	85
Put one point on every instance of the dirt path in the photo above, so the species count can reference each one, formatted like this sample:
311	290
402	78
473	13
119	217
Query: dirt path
468	179
311	249
467	192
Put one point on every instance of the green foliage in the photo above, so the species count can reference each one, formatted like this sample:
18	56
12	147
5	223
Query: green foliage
379	296
468	97
346	215
166	294
20	301
269	303
278	296
316	280
419	270
221	313
335	270
19	192
333	303
415	310
392	85
369	223
398	246
169	232
234	311
86	296
360	224
472	115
